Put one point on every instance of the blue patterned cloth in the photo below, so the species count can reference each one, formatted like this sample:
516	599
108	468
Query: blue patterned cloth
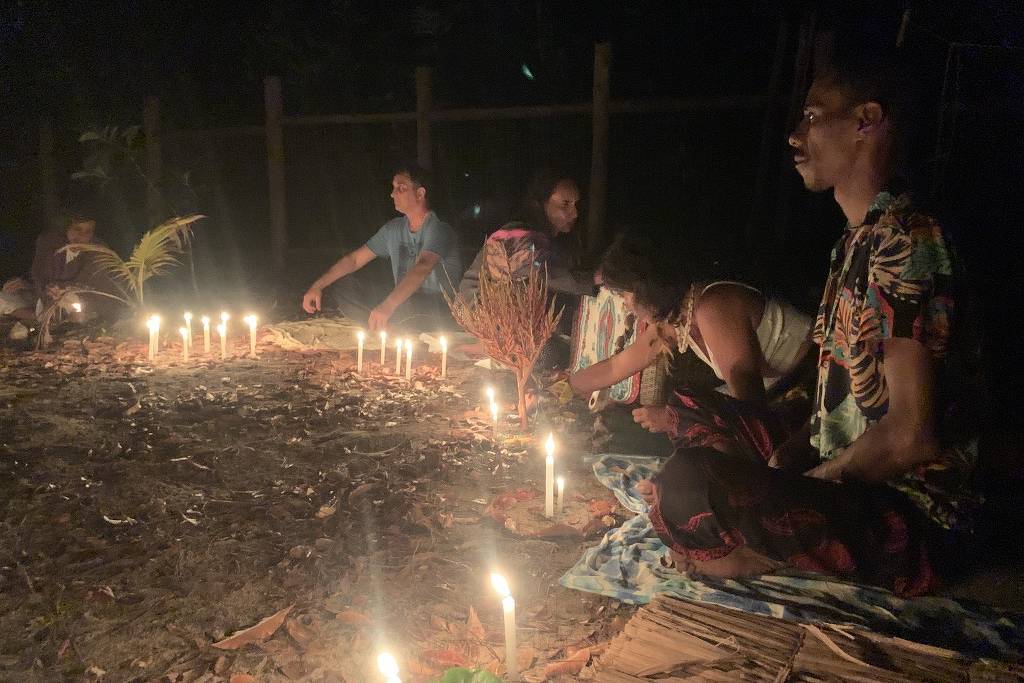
627	565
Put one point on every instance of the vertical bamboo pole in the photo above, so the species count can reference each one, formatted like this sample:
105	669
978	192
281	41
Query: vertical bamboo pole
275	173
424	103
48	173
154	160
598	199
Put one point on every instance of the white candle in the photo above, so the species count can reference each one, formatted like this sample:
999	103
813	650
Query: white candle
398	356
251	321
184	343
408	359
508	607
560	485
490	394
383	347
222	330
444	357
360	338
154	334
389	667
494	419
206	333
549	478
188	328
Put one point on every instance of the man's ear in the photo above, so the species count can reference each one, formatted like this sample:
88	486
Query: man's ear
421	193
869	118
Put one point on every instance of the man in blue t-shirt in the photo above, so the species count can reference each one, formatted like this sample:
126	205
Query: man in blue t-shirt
423	250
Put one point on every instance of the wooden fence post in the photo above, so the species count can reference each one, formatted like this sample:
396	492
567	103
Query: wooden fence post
48	173
599	149
424	103
275	173
154	160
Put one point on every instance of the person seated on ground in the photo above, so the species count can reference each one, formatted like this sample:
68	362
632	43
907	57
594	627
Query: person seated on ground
424	254
892	499
540	236
62	276
750	341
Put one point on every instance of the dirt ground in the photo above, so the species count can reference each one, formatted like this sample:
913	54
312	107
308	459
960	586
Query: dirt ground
149	512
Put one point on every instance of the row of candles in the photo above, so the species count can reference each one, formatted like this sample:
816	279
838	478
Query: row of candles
153	324
400	344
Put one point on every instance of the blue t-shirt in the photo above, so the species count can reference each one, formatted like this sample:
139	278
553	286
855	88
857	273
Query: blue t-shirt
397	242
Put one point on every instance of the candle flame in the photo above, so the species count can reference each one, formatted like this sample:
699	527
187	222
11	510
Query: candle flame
153	323
560	481
224	317
188	317
222	329
77	307
182	331
549	445
398	345
387	664
383	336
360	335
250	319
206	320
500	585
490	394
444	343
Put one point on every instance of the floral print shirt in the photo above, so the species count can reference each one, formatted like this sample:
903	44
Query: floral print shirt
892	276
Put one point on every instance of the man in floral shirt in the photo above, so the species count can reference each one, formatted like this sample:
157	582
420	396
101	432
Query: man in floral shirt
891	434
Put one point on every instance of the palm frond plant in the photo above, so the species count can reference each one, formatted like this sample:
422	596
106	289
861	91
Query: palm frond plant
60	304
513	318
156	252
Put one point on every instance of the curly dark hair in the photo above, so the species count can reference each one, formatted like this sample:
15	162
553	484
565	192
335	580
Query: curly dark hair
657	274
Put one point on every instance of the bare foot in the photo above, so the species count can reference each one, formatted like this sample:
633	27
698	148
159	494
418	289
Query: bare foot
740	562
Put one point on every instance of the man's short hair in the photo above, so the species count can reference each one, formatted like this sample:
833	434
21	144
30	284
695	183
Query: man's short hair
79	212
863	74
420	176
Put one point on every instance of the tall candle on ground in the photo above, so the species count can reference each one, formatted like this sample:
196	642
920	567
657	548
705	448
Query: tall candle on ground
383	347
398	356
549	477
184	343
560	485
154	334
508	608
360	338
206	333
222	330
250	320
408	359
444	357
188	327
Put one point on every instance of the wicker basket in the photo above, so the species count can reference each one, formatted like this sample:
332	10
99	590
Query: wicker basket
654	382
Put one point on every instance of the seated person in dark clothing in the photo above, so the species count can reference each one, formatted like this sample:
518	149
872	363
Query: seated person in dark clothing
57	272
424	254
892	492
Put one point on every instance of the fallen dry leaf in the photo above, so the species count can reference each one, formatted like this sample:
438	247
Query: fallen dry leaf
600	508
242	678
301	634
570	666
254	634
445	658
475	629
352	617
326	511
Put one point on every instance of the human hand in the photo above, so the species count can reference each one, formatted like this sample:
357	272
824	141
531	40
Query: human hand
311	300
55	292
830	470
379	317
655	419
15	285
647	491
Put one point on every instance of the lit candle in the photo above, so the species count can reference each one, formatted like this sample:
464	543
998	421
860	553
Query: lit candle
251	322
184	343
389	667
154	334
76	307
188	328
408	359
508	607
444	357
490	394
224	317
494	418
206	333
360	338
222	330
383	347
560	484
398	356
549	478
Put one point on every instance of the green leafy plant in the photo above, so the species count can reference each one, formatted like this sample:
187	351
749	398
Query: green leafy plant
463	675
156	252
